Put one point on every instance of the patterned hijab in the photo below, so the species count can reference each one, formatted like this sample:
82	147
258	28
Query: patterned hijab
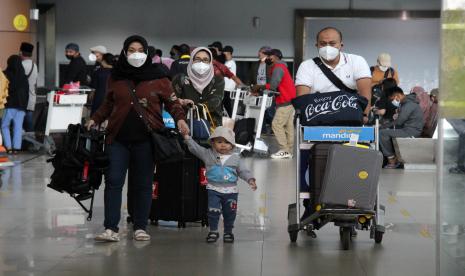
198	81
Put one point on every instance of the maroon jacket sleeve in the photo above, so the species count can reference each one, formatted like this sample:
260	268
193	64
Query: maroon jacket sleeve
172	104
106	108
223	69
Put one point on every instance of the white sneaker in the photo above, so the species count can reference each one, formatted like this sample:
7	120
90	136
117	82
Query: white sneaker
141	235
281	155
108	236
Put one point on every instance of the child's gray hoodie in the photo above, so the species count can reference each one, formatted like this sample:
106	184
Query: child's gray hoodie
218	175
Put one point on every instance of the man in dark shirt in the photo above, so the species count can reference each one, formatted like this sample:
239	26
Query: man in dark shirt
408	123
382	105
77	69
180	65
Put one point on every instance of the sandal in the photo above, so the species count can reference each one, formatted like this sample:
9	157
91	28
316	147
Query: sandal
212	237
141	235
228	238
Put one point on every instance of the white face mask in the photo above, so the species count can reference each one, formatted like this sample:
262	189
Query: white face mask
395	103
383	68
92	58
328	53
201	68
137	59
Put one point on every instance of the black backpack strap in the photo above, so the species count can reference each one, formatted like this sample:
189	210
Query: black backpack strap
332	77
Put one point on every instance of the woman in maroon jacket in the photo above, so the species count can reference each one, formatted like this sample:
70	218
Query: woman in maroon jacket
129	146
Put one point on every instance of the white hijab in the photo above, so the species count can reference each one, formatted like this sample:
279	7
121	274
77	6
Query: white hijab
198	81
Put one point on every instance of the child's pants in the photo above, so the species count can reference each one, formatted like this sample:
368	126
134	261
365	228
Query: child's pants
218	204
16	116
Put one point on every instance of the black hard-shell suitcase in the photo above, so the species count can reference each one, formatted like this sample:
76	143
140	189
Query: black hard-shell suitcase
180	197
318	159
351	177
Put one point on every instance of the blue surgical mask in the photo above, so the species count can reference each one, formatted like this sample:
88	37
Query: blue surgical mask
395	103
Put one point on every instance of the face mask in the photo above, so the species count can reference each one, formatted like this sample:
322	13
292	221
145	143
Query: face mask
395	103
69	57
137	59
328	53
268	61
92	58
383	68
201	68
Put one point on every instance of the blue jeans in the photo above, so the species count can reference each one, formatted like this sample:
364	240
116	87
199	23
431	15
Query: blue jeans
218	204
137	157
15	116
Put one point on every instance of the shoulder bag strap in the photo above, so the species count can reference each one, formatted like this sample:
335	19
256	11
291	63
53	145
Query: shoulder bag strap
205	108
137	106
332	77
32	69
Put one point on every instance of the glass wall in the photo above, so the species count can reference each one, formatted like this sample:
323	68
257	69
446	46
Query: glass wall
451	146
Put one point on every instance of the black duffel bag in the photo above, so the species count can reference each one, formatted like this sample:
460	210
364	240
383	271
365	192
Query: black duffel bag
337	108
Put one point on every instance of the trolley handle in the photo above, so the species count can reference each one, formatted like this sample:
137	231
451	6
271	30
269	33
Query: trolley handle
271	92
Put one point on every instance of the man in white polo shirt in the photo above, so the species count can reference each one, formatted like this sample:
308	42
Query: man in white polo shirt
352	70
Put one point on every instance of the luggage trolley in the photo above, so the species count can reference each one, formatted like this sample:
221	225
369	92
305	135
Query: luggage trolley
254	103
345	218
63	109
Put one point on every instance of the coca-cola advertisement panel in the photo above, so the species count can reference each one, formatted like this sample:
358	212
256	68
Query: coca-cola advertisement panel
331	109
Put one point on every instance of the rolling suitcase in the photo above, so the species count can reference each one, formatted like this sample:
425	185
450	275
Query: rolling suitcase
351	177
315	160
318	159
180	196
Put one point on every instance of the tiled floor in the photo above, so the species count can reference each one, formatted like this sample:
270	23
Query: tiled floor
43	232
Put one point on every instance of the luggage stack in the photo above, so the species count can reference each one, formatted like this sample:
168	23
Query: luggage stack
179	190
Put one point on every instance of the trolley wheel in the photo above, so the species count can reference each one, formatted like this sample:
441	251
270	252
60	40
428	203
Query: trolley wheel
154	222
204	223
378	237
311	233
129	219
345	237
181	224
293	235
